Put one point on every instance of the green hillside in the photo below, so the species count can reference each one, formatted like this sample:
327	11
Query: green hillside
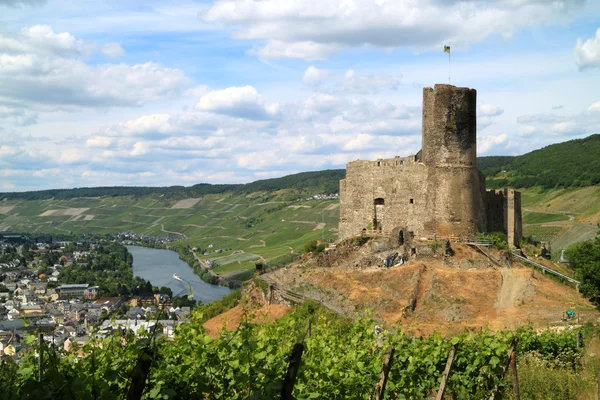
272	219
326	181
269	219
575	163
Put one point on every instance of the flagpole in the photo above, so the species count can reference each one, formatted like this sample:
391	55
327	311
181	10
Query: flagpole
449	64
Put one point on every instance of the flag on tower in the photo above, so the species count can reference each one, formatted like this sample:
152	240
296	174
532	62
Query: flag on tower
447	49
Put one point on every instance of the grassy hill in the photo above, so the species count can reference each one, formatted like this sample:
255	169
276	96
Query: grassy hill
272	219
269	219
326	181
575	163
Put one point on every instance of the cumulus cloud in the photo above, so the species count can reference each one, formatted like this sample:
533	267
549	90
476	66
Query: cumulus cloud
304	50
489	110
99	141
303	29
587	54
365	84
594	108
240	102
19	117
486	143
112	50
584	122
313	76
213	143
42	68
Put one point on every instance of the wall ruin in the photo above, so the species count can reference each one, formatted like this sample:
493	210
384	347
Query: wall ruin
437	191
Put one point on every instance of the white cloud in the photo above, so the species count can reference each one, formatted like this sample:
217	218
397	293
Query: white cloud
587	54
564	127
99	141
41	68
527	130
42	38
197	91
19	117
489	110
113	50
594	108
308	30
487	143
313	76
364	84
304	50
241	102
140	148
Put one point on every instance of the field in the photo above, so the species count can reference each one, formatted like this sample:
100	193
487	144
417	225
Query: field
561	217
266	226
242	228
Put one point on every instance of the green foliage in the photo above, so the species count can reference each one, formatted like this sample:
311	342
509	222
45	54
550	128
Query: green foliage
110	267
538	218
570	164
584	257
541	379
214	308
499	239
342	359
314	247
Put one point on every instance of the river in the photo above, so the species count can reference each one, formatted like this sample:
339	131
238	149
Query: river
158	267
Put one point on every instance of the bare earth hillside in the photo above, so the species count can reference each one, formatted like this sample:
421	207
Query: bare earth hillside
446	294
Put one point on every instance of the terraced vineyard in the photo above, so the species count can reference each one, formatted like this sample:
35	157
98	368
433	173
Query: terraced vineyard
233	230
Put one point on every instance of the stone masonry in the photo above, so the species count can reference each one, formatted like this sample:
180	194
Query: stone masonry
437	191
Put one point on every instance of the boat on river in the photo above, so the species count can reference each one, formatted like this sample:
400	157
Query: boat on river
176	276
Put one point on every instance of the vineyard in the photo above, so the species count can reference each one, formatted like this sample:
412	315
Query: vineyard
342	359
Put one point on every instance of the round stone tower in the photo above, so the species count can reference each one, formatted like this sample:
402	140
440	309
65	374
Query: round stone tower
449	126
455	185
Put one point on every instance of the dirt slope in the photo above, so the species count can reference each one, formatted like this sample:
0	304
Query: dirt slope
444	294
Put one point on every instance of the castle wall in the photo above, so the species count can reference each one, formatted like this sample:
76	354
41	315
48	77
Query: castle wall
439	190
399	183
496	218
513	217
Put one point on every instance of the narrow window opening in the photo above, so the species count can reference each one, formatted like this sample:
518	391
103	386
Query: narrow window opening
412	201
379	163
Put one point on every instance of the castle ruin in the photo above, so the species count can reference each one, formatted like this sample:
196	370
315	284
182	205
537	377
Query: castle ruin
438	191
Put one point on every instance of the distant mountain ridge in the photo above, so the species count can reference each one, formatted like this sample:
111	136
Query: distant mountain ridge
326	181
575	163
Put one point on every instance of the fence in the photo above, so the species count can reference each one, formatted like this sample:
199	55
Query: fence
545	269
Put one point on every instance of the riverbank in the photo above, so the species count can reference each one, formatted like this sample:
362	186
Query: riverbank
159	265
188	256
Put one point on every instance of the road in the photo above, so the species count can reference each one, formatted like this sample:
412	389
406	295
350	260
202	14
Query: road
204	265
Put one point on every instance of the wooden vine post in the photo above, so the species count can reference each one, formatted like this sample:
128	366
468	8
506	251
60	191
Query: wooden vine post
385	371
292	372
446	375
41	360
515	376
509	361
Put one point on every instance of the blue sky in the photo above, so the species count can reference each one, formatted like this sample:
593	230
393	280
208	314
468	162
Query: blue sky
177	93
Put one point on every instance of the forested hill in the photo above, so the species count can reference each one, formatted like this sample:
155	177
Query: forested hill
575	163
326	181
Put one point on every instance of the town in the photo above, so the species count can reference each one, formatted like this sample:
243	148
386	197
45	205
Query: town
57	287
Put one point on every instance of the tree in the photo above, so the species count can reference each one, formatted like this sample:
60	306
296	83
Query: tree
585	259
